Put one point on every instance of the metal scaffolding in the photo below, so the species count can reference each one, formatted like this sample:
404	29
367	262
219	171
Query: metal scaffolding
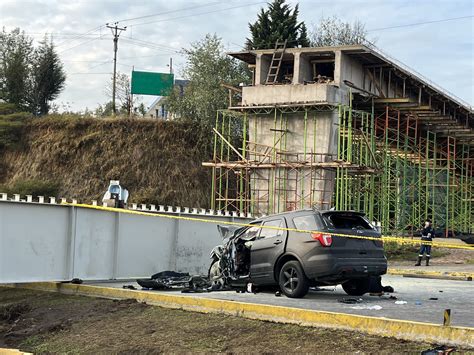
387	164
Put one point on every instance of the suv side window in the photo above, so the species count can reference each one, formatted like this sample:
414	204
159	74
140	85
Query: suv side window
307	222
270	232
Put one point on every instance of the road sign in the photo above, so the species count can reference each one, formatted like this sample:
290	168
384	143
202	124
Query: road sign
149	83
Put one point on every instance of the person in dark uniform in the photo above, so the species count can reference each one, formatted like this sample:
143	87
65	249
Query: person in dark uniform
427	234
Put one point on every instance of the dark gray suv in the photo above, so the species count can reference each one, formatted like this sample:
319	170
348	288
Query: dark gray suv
294	260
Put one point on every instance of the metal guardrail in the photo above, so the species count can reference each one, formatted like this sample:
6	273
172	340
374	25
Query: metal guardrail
132	206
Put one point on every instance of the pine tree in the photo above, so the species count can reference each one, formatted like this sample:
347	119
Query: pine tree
278	22
15	67
48	78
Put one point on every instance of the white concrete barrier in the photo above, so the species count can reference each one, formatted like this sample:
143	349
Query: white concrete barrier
62	242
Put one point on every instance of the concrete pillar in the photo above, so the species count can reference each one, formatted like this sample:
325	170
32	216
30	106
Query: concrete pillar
29	198
302	69
261	69
338	68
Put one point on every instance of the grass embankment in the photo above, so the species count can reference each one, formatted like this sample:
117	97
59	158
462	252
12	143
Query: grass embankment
400	252
42	322
75	157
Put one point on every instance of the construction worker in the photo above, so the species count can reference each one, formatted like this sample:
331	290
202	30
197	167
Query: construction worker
427	234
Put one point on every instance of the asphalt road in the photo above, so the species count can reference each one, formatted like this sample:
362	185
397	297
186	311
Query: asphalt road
455	295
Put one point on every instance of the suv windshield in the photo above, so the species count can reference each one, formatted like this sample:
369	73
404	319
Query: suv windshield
347	221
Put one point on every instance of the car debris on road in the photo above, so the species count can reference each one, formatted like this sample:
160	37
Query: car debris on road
169	280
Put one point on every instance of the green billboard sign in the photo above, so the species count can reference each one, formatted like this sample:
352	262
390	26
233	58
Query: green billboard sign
148	83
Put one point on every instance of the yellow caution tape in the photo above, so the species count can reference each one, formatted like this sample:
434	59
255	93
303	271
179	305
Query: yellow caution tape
400	240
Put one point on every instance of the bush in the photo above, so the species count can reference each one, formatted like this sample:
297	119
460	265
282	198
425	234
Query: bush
11	126
6	109
32	187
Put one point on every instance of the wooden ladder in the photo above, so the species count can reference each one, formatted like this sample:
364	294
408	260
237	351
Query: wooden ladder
275	64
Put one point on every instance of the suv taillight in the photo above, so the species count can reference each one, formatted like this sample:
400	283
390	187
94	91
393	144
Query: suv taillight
324	239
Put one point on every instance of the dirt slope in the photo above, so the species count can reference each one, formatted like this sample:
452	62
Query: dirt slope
52	323
159	162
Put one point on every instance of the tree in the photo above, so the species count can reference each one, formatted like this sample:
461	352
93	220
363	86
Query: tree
332	31
279	22
15	57
104	110
29	78
207	67
142	109
122	93
48	78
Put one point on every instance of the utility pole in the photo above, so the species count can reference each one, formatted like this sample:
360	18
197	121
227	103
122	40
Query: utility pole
116	33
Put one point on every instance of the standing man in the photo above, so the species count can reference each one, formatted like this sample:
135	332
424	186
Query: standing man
427	234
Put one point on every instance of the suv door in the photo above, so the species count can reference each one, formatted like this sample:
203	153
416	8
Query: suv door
266	249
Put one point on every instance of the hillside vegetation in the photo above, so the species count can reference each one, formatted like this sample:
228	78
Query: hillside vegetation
159	162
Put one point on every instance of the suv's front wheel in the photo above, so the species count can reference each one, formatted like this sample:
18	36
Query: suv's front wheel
356	287
292	280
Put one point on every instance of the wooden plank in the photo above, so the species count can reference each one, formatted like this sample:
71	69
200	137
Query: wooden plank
417	108
372	79
393	100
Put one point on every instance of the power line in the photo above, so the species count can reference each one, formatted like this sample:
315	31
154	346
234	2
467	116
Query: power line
147	56
89	73
80	44
95	29
159	46
82	61
201	13
150	46
420	23
169	12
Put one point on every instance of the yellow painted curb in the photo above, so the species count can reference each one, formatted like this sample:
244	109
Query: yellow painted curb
4	351
437	274
401	329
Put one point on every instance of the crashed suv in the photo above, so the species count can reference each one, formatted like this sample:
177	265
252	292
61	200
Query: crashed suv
296	261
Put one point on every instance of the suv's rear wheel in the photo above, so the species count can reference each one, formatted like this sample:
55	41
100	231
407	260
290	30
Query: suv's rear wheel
292	280
356	287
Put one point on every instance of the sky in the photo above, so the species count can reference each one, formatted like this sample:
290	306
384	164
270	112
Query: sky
158	30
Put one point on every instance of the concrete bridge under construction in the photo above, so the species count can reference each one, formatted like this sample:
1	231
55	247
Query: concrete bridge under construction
345	127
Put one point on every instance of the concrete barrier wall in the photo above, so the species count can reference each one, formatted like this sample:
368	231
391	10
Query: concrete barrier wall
51	242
